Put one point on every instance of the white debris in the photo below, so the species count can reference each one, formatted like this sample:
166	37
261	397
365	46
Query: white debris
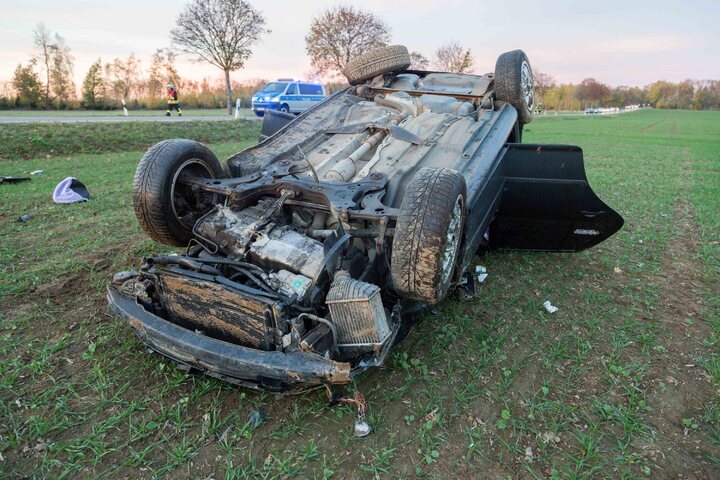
550	307
482	273
529	454
617	270
37	172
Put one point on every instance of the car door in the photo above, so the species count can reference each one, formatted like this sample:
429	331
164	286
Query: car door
292	98
311	94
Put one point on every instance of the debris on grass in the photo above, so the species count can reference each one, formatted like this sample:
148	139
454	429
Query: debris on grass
361	428
71	190
481	273
550	307
256	418
549	437
14	179
529	454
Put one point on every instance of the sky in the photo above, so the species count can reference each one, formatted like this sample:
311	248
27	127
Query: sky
617	42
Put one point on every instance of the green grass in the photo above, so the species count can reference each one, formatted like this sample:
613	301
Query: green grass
622	382
38	140
190	112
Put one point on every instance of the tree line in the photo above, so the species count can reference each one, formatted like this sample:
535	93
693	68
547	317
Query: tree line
223	33
688	94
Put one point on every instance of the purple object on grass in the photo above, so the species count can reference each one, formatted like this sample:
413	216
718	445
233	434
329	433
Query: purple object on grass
71	190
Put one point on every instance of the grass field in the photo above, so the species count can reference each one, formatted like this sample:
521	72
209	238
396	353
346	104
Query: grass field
49	140
190	112
622	382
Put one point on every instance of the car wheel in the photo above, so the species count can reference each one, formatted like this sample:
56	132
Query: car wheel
259	113
285	108
393	58
428	235
166	208
514	83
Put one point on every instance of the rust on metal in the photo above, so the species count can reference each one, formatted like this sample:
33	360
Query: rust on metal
208	306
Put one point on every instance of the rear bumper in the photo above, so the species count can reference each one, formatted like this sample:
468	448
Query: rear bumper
274	371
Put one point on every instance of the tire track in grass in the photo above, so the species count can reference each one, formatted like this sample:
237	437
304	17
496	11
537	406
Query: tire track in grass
679	388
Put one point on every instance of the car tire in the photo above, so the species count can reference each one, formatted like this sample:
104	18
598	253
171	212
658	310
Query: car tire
393	58
514	83
428	235
285	108
166	210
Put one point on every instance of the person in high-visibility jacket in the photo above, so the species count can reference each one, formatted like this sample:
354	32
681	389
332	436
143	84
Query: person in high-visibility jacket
172	100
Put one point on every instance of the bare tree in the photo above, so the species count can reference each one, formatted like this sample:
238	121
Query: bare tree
162	71
57	62
418	61
124	75
220	32
453	57
543	82
42	37
340	34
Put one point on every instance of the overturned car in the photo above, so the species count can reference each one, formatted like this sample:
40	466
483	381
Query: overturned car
310	256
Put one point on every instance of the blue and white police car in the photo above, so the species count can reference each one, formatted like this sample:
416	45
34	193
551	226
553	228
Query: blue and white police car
287	95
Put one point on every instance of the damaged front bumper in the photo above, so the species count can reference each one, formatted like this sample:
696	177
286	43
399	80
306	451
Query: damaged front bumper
277	371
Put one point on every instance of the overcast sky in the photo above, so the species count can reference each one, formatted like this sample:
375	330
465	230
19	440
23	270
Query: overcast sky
618	42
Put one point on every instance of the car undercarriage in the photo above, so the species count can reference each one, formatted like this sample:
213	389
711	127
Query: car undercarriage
312	253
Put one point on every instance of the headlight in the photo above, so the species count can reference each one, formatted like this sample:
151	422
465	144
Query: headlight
275	99
267	99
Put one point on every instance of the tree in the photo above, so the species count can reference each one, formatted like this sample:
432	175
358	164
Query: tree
57	62
63	86
27	85
220	32
452	57
707	94
93	92
543	82
418	61
162	71
342	33
42	37
661	94
684	94
124	75
590	91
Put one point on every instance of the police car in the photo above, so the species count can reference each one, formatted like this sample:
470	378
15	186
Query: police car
288	96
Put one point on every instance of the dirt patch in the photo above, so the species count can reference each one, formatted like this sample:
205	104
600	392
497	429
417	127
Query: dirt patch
673	129
679	388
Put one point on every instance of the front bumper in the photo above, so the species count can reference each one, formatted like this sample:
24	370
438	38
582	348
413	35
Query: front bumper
267	370
262	106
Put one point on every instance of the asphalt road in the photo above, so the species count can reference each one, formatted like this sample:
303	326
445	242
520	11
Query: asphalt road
160	118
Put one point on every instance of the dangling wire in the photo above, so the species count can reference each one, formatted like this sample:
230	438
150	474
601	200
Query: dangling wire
358	400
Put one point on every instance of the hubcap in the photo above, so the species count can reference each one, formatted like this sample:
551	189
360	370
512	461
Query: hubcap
186	202
526	85
452	241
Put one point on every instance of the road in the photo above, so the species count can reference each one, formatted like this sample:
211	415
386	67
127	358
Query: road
161	118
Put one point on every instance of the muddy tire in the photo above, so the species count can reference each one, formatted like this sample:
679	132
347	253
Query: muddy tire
166	209
514	83
428	235
393	58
